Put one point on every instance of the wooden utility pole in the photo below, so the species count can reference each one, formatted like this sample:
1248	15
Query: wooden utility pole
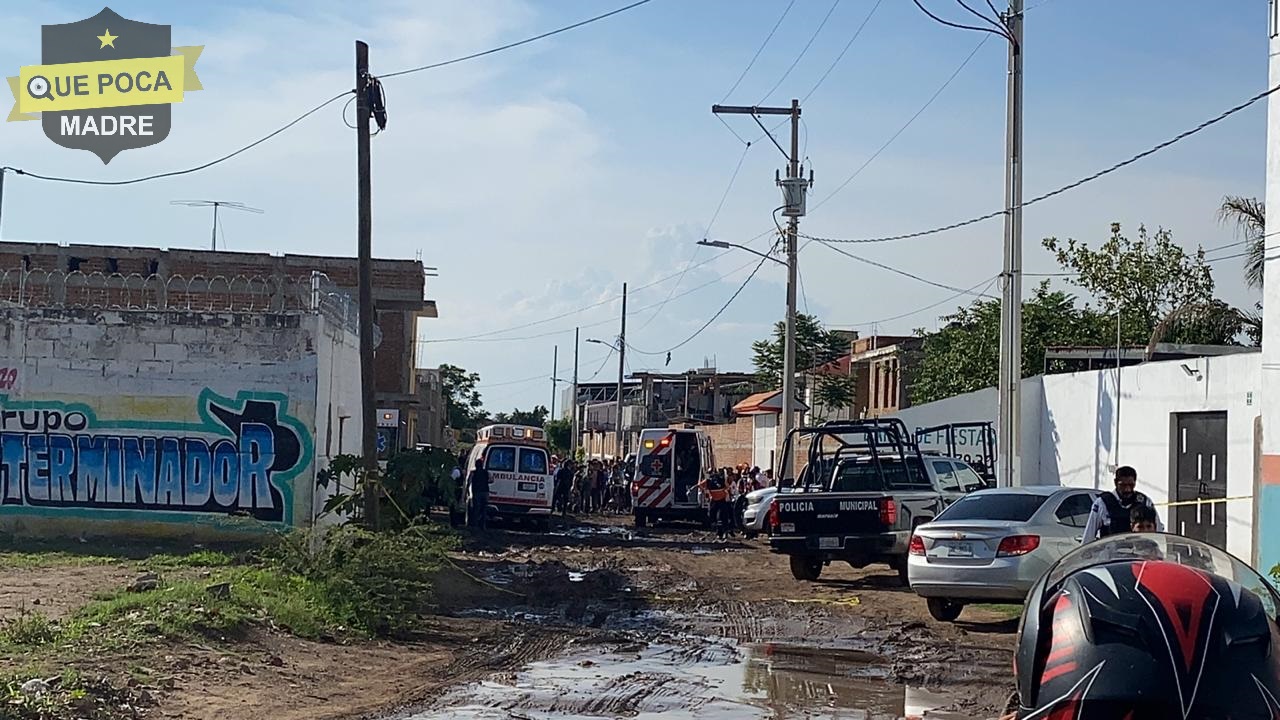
368	411
555	360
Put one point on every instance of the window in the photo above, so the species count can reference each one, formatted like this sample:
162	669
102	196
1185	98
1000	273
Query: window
946	476
1007	506
533	461
1074	510
969	480
501	459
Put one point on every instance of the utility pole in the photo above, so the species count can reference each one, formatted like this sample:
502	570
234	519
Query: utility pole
794	188
573	441
555	360
2	172
368	422
622	356
1009	442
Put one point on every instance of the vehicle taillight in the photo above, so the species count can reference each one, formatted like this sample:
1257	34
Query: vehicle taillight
635	487
1018	545
917	545
772	518
888	512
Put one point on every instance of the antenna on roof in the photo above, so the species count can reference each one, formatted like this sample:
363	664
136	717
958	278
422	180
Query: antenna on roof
215	204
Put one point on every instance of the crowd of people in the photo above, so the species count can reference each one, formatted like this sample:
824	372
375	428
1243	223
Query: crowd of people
594	486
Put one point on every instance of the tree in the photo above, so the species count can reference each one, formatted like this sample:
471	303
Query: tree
559	435
1146	281
463	406
1250	218
536	417
1249	215
964	355
816	347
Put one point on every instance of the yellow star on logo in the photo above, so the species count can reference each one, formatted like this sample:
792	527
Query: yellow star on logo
107	39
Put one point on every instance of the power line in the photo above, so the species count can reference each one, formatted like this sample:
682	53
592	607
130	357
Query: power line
481	337
705	235
516	44
713	318
905	125
197	168
539	377
839	57
987	283
759	50
804	50
1070	186
585	308
892	269
959	26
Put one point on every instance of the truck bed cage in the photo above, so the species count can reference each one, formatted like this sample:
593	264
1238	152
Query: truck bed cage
878	440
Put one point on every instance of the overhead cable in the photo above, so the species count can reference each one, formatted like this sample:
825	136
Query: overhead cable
197	168
516	44
1070	186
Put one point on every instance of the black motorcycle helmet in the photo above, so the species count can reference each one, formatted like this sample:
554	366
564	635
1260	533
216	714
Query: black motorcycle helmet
1149	625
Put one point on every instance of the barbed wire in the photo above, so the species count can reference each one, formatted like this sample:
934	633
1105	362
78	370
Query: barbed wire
314	293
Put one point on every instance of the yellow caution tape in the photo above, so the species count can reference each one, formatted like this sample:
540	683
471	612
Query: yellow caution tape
1203	501
846	602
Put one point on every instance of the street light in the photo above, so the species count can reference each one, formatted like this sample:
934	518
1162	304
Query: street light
619	348
727	245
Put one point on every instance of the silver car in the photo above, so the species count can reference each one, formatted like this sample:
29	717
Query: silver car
757	510
992	545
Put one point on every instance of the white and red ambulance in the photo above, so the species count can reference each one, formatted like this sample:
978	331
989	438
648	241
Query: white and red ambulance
520	481
669	465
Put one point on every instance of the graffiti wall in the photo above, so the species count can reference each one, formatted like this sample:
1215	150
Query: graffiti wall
240	457
165	423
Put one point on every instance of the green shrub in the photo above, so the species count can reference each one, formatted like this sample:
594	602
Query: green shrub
376	582
29	628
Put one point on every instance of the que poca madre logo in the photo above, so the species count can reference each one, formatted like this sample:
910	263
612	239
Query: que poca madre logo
105	84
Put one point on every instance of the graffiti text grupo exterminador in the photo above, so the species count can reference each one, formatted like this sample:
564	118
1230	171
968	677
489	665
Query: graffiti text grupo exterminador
58	458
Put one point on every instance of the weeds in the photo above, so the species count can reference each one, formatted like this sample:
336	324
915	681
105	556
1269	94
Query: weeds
30	628
65	696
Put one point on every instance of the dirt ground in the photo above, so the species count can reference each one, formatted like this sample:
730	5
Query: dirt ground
516	599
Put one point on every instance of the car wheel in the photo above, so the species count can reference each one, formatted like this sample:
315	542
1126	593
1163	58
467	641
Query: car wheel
944	610
750	534
805	567
641	519
901	567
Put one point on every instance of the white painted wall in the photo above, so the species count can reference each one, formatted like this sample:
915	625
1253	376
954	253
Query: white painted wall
1069	426
337	394
764	439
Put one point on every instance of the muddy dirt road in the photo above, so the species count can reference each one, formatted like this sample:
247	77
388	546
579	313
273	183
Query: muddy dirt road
608	621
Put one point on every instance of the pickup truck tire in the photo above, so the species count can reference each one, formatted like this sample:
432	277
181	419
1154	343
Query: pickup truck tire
900	565
805	567
944	610
642	518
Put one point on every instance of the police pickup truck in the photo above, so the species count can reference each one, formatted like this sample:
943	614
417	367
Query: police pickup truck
861	493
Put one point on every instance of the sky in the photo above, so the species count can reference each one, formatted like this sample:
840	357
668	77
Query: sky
538	180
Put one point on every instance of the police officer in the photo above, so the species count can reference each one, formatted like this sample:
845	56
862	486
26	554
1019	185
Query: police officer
1110	514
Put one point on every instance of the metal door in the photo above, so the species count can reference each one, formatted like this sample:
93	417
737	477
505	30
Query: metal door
1200	462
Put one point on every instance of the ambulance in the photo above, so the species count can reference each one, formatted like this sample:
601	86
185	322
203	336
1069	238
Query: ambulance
669	465
521	486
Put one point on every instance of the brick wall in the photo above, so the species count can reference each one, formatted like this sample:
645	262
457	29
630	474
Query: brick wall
731	441
244	274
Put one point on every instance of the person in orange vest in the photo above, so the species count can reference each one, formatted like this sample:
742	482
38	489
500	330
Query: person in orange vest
716	488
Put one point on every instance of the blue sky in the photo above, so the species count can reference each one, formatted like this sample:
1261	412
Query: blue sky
540	179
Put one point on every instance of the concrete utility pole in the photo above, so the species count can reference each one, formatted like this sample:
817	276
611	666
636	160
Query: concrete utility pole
794	188
622	357
1009	442
555	360
368	421
573	441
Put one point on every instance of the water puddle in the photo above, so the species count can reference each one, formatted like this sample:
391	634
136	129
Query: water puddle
701	680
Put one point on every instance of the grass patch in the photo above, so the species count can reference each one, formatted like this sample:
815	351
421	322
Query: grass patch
1005	610
29	629
312	586
36	559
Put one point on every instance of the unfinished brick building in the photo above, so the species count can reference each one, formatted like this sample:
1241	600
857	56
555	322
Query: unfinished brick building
35	274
